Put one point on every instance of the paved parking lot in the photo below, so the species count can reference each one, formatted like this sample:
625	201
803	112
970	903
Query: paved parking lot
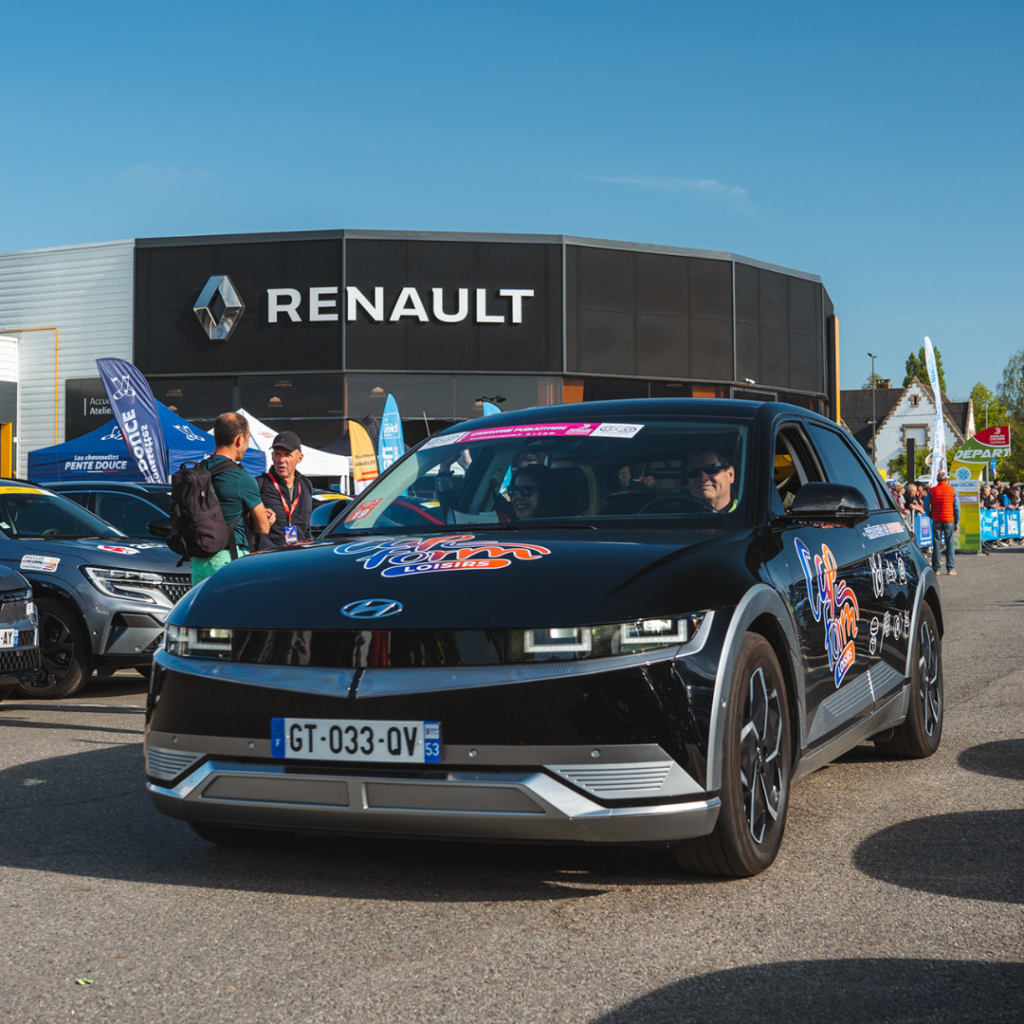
898	894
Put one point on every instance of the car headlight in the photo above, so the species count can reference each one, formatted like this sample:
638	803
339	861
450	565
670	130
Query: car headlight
126	584
26	596
198	642
602	641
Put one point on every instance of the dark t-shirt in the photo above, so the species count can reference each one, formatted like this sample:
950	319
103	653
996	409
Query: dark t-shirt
238	493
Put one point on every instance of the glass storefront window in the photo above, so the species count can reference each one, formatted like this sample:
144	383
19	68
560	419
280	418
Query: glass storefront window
416	394
199	400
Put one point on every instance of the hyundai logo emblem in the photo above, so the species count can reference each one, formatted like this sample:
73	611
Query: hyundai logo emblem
374	608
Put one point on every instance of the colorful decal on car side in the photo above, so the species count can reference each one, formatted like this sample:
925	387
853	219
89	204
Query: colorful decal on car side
117	550
41	563
877	530
835	604
412	556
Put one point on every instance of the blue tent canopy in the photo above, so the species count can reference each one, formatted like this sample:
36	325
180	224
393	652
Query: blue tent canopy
102	453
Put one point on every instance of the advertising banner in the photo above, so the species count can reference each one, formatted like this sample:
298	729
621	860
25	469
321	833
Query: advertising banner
1000	524
923	531
985	448
968	534
364	460
135	412
939	431
390	440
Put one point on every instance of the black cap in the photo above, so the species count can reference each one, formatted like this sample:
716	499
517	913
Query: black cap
289	440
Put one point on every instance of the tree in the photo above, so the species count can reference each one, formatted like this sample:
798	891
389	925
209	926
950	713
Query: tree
874	380
898	466
1011	391
989	411
917	366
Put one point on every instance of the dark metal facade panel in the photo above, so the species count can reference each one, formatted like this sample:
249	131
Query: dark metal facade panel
535	345
630	312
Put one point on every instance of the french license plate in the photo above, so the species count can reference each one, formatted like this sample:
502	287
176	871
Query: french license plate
8	639
340	739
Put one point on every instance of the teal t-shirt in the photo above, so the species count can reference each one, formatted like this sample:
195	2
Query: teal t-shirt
238	493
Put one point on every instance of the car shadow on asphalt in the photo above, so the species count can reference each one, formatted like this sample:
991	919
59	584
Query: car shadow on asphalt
1002	758
88	814
969	855
838	991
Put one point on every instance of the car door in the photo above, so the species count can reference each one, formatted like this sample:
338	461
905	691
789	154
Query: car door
128	512
823	564
886	586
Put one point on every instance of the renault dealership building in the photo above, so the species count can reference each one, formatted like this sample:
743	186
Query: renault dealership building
308	329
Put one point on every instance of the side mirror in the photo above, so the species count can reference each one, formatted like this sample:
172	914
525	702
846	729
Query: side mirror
159	528
835	502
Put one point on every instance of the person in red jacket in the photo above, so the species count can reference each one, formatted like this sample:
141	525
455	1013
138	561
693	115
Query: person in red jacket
943	506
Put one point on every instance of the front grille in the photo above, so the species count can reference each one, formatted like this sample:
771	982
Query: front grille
20	659
175	585
166	764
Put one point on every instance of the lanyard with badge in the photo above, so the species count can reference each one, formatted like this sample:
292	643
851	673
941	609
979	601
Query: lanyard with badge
291	533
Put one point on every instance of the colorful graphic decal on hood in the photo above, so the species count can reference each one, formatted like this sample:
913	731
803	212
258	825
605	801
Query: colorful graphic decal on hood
117	550
835	604
623	430
412	556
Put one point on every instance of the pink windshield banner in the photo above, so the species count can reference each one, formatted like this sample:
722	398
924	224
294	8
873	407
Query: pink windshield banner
528	430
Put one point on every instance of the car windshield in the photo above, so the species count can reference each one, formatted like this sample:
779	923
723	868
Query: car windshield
28	513
579	474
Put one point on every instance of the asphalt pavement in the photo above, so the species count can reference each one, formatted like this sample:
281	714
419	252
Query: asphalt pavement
898	894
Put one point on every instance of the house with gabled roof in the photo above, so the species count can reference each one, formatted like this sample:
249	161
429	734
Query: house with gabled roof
902	414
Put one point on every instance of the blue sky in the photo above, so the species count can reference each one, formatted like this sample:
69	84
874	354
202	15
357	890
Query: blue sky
878	145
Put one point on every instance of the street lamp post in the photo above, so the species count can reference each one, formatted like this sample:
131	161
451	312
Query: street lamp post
874	419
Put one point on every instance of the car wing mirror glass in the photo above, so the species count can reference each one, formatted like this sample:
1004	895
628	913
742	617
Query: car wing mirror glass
834	502
160	528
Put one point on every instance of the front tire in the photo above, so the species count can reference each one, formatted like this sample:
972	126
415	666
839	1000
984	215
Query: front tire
236	836
756	765
919	736
63	651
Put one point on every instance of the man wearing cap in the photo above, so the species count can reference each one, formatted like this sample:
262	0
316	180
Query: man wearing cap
287	493
943	506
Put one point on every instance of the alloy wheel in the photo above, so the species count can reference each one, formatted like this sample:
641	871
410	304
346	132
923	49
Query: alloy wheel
56	646
761	769
928	675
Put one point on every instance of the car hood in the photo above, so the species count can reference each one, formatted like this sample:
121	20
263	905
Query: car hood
478	581
118	554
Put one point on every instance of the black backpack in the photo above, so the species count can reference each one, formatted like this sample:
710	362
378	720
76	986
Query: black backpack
198	526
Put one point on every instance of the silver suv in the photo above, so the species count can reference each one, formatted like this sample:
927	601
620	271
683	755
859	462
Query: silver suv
102	599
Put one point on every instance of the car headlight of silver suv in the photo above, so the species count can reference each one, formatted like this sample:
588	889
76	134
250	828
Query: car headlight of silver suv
126	584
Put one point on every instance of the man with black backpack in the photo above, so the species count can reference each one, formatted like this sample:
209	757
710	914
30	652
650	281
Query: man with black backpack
211	500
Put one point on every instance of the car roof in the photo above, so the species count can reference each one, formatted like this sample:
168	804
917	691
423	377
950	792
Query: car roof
644	407
116	485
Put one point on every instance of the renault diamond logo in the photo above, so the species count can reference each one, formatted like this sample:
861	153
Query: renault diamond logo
375	608
219	308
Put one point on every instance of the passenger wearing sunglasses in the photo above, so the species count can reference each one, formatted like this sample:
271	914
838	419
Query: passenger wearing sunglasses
529	490
711	475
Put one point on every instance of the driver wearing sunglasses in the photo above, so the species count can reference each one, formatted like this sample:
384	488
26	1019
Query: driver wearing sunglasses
710	475
528	491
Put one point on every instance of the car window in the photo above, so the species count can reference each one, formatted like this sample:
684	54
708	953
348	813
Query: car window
535	472
793	467
78	497
127	512
844	466
29	513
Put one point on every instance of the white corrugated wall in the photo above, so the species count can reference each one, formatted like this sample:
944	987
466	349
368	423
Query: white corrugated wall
86	292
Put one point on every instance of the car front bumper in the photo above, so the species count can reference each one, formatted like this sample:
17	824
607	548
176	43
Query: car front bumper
501	805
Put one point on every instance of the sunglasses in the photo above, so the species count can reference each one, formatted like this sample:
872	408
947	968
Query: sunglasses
525	491
711	469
